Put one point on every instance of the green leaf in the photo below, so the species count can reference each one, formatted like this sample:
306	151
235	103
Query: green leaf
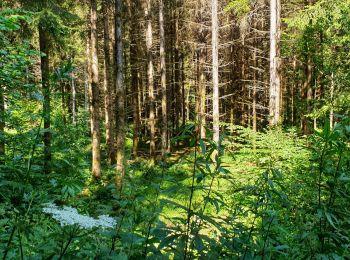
344	178
198	243
203	147
281	247
168	240
330	218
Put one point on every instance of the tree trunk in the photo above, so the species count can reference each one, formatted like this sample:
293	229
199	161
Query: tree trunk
183	90
107	86
202	94
150	81
201	82
134	52
74	101
45	78
215	49
63	101
243	81
163	79
177	70
120	93
331	112
94	93
86	85
2	126
254	89
275	77
307	95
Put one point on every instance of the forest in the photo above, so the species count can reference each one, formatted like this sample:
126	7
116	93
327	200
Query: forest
175	129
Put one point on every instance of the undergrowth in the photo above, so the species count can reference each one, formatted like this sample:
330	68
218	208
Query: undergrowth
270	195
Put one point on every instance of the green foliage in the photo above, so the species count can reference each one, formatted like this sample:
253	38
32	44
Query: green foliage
239	7
320	34
257	199
268	195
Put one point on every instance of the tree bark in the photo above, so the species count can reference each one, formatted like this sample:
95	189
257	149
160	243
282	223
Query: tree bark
183	90
134	52
2	126
163	79
86	84
307	95
63	101
45	78
254	90
215	49
94	93
275	77
74	101
201	80
177	70
120	93
150	81
107	86
331	112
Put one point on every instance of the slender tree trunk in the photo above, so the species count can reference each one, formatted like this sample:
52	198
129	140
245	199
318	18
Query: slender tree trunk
107	86
201	80
177	70
120	92
254	90
150	81
68	91
307	95
2	126
293	90
74	101
202	94
94	93
163	79
243	82
86	85
88	92
134	52
275	77
45	77
183	90
331	114
63	101
215	49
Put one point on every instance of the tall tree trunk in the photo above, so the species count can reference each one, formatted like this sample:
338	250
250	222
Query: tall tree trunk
86	83
63	101
331	112
243	81
68	95
201	80
74	100
120	93
307	95
2	126
183	90
177	70
45	78
254	88
134	52
94	93
150	81
107	86
215	49
275	63
202	92
163	79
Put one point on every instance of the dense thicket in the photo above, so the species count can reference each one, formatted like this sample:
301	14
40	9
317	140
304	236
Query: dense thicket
203	129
